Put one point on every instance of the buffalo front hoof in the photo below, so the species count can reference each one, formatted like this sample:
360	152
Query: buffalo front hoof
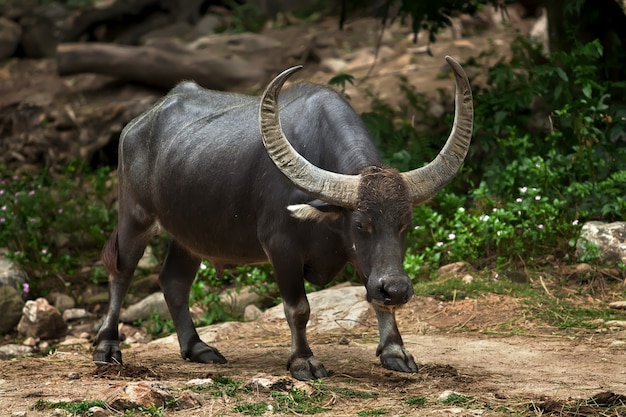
107	352
396	358
203	353
306	369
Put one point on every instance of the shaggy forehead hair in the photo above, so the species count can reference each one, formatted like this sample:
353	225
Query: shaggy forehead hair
382	190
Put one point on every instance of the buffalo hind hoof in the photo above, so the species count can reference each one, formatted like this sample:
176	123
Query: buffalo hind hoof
107	352
397	358
203	353
306	369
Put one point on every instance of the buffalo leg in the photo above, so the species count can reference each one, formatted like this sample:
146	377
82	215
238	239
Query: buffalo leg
125	247
391	350
177	275
302	364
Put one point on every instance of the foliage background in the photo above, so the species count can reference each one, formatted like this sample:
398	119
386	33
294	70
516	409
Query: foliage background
521	197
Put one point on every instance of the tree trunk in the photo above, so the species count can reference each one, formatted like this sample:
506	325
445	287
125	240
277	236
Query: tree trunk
158	67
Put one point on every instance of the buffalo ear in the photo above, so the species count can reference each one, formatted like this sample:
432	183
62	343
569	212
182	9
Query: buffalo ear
316	210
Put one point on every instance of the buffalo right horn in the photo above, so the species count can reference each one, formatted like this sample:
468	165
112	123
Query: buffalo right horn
426	181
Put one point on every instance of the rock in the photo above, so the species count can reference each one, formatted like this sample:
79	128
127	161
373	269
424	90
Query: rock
199	382
265	382
145	308
134	395
41	320
148	260
333	308
539	32
61	301
454	269
447	394
436	110
76	314
10	274
583	271
252	312
30	341
96	411
333	65
189	399
10	33
207	25
15	351
235	301
99	298
75	341
608	238
620	305
617	344
11	305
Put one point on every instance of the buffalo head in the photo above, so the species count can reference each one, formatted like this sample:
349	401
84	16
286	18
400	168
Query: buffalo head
377	201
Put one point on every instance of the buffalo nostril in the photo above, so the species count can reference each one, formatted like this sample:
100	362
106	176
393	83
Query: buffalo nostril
385	295
396	291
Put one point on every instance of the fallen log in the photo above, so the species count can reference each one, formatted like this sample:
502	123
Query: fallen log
158	67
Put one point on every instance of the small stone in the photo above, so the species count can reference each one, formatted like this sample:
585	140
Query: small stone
619	305
30	341
200	382
75	314
139	394
73	375
189	399
61	301
446	394
96	411
236	300
251	312
456	268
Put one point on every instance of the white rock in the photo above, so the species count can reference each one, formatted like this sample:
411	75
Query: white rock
145	308
200	382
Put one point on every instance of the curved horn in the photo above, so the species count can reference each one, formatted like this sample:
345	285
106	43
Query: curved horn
426	181
331	187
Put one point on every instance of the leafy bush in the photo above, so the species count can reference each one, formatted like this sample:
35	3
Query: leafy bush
525	188
52	226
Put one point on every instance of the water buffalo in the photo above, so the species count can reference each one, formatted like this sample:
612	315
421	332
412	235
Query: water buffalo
234	183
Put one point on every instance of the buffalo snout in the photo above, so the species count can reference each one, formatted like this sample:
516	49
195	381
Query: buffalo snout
391	290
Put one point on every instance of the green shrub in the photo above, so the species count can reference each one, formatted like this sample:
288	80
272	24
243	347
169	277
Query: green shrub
52	226
524	189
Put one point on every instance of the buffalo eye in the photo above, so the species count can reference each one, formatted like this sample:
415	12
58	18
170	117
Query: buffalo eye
363	225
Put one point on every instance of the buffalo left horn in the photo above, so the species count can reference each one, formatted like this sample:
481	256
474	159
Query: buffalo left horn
331	187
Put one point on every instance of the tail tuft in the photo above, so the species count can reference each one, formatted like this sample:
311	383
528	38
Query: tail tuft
110	254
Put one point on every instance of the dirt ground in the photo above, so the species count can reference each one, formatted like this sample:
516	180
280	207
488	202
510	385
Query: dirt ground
456	345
